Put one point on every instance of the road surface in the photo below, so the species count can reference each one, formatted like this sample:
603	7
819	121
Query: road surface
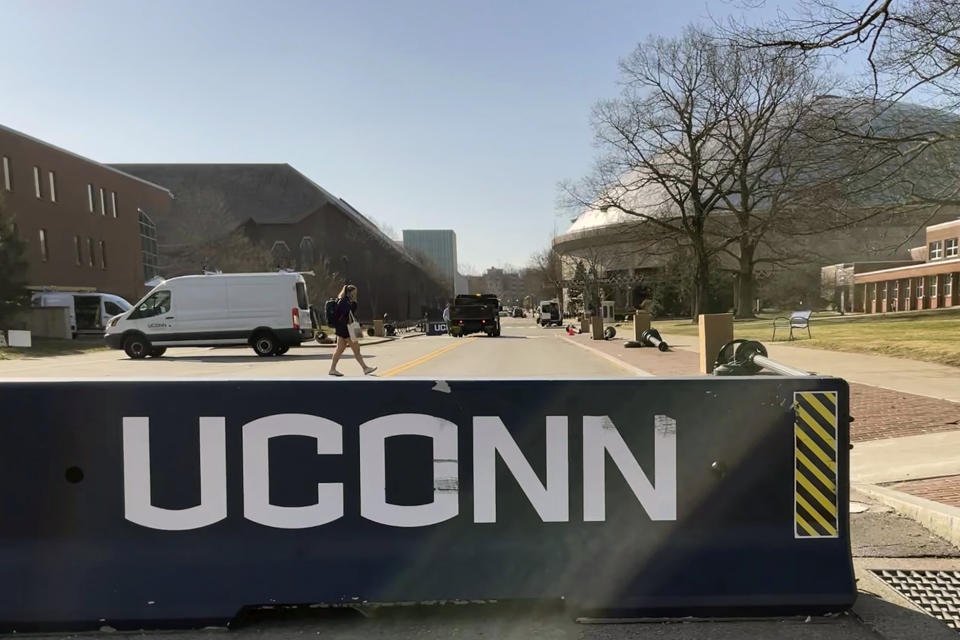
523	350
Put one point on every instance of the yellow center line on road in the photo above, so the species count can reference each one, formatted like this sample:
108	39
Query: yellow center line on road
425	358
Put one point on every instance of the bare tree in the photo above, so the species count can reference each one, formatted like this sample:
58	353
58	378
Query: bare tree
768	101
705	146
907	45
548	267
204	235
660	164
323	282
911	48
387	230
734	152
431	268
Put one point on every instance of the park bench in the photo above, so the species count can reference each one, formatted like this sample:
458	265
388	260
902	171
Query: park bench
797	320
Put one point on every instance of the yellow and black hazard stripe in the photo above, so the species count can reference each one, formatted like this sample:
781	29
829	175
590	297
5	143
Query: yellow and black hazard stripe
815	452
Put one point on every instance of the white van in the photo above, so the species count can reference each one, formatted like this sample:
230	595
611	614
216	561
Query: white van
550	313
268	311
89	312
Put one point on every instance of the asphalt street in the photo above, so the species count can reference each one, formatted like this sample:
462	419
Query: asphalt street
523	350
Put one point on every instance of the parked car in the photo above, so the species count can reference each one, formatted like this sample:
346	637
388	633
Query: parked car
268	311
89	313
518	313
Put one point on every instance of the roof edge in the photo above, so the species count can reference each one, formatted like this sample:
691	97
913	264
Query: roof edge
357	216
85	159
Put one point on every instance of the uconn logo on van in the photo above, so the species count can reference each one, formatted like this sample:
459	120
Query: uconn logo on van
490	438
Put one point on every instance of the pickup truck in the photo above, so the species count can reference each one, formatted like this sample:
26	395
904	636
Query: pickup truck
475	313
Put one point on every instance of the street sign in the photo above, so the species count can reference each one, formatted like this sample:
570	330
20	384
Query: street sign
179	502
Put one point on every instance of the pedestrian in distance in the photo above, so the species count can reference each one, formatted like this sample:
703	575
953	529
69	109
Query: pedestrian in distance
344	322
446	318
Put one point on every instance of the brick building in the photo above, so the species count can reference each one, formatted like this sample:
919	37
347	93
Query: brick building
932	284
86	225
301	224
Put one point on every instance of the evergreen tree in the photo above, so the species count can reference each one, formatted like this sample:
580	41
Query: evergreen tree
13	268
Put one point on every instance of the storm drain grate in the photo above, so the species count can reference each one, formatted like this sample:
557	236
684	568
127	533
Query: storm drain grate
936	592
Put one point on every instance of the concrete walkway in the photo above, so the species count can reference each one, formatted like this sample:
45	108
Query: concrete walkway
909	376
908	458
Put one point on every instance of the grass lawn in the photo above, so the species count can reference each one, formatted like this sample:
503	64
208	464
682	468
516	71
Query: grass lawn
43	347
929	338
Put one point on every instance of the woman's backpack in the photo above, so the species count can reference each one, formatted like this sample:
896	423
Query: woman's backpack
330	311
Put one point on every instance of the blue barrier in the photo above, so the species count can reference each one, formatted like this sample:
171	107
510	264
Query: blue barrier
177	503
436	328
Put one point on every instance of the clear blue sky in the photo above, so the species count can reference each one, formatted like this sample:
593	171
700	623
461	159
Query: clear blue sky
423	114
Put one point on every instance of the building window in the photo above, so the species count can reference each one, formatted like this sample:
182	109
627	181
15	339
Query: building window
37	187
53	186
78	252
113	203
103	203
148	245
90	252
90	197
281	254
932	281
920	287
103	255
306	253
936	250
948	287
43	245
952	248
6	174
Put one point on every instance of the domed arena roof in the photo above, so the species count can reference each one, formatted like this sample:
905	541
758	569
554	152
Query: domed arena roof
609	225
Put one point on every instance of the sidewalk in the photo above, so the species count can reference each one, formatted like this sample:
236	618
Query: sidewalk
909	376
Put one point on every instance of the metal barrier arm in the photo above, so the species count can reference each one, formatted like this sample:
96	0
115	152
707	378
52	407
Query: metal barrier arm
748	357
651	338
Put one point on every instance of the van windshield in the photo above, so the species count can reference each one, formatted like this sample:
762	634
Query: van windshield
154	305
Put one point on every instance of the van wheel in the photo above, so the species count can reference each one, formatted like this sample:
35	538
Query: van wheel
282	350
136	347
157	352
264	344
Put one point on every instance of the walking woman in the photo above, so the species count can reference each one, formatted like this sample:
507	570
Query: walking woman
343	318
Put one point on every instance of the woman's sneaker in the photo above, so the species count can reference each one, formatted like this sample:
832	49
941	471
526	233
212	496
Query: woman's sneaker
368	370
336	373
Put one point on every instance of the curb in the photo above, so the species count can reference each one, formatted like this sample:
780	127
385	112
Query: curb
941	519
